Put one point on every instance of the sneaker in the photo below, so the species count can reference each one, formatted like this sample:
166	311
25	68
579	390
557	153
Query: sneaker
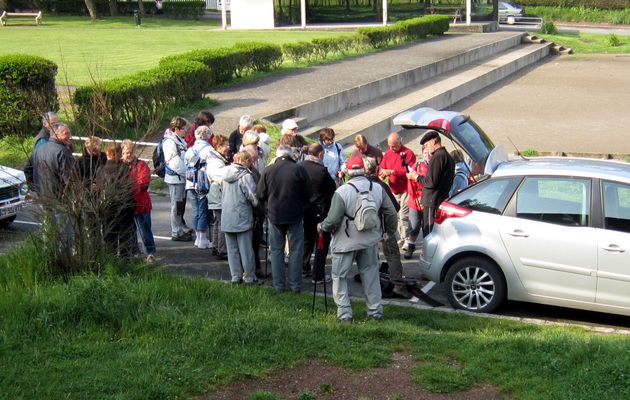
151	259
401	291
375	317
188	230
409	251
222	256
345	320
204	244
306	274
184	237
327	279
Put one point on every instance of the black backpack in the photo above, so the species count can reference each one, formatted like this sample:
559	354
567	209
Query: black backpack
159	164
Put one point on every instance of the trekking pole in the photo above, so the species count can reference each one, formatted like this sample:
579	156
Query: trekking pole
266	248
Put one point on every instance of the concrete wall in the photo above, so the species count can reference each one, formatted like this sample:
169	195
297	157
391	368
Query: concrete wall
252	14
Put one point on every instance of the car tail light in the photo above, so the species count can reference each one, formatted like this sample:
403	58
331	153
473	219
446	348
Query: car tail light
449	210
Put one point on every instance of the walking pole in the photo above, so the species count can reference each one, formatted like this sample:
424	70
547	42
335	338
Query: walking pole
267	250
320	264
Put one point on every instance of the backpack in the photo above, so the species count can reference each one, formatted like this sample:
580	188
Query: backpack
366	214
160	168
196	173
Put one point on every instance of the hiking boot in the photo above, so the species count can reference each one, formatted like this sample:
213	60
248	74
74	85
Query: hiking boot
375	317
222	256
184	237
326	279
409	251
401	291
151	259
345	320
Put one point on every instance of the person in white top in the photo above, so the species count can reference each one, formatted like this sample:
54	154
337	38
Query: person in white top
174	148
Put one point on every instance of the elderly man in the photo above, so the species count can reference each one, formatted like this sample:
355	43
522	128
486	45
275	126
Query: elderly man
48	120
438	180
53	163
393	167
354	241
236	137
287	189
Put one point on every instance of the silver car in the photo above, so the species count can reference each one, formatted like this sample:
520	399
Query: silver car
509	12
13	191
544	230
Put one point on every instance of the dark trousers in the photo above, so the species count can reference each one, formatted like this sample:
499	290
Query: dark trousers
428	215
310	244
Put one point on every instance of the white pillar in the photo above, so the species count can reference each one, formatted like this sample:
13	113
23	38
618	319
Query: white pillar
223	15
468	11
303	7
384	12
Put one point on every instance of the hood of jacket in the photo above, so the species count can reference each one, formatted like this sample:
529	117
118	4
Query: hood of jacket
234	172
461	168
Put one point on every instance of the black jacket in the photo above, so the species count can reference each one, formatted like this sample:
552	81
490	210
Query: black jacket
287	189
88	164
439	178
323	189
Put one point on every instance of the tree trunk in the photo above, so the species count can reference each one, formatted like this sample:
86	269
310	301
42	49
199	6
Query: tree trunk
91	7
113	8
141	8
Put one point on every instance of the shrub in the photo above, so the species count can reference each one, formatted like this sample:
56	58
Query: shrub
221	63
613	40
136	100
601	4
184	8
27	90
549	28
300	51
259	57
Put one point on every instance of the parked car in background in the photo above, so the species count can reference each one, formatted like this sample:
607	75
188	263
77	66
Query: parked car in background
545	230
509	12
13	190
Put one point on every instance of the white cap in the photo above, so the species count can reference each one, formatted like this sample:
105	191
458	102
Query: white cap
288	124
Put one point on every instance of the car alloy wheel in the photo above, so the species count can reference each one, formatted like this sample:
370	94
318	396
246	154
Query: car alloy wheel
475	284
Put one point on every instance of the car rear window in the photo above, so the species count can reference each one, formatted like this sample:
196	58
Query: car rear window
490	196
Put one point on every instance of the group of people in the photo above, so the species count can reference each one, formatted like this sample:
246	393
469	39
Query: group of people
118	182
308	198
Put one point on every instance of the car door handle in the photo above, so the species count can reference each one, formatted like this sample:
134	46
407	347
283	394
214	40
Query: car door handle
518	233
613	248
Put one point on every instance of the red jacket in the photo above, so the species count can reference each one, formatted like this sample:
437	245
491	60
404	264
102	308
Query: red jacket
392	160
141	175
414	188
190	136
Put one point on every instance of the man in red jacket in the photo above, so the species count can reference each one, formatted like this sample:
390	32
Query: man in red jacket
141	178
394	169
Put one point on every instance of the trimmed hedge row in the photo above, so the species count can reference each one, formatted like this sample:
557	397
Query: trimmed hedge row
136	100
171	8
27	90
600	4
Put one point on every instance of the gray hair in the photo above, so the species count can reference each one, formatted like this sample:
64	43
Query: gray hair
49	116
370	165
202	132
283	150
246	122
56	127
356	172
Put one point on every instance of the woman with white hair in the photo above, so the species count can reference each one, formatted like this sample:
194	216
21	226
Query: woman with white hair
196	159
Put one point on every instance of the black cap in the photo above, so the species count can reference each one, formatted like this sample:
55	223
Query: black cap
428	136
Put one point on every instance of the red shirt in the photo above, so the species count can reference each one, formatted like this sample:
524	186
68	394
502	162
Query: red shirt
393	161
414	188
141	178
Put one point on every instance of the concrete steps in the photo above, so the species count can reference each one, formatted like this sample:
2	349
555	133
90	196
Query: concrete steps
446	83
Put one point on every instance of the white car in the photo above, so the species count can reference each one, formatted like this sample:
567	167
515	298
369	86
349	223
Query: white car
13	190
509	12
543	230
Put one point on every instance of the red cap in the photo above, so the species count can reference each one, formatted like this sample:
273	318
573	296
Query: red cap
355	162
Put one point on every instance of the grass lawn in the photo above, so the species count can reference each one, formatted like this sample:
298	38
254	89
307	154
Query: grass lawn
114	46
590	43
144	334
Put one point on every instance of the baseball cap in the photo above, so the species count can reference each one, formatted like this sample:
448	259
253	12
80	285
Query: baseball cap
289	124
355	163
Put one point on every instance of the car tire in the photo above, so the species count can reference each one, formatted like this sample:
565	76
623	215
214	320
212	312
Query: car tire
475	284
7	221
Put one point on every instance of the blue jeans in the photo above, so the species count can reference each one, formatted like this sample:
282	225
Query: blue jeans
143	223
200	210
415	222
277	235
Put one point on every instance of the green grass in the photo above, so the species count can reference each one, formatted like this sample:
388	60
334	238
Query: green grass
589	43
148	335
86	50
580	14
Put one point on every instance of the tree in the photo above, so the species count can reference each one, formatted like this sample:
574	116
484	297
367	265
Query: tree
89	4
141	8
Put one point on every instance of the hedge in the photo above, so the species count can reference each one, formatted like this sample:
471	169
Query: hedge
136	101
172	8
600	4
27	90
407	30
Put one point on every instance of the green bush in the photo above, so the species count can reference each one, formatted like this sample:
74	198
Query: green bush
300	51
27	90
407	30
259	57
184	8
77	7
549	28
135	101
613	40
601	4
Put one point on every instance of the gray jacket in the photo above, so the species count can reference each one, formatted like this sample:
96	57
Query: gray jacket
343	203
215	168
53	165
239	198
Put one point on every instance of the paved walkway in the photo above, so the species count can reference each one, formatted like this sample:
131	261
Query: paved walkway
284	91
